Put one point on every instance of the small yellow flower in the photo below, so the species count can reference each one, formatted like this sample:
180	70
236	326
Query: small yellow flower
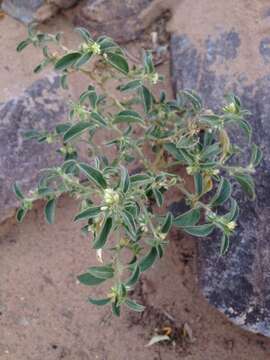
111	197
230	108
154	78
96	48
231	225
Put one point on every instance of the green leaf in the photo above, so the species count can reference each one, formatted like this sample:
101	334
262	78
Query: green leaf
83	59
18	192
49	211
198	183
140	179
199	230
88	213
99	302
129	222
99	119
247	184
223	193
67	60
147	99
132	85
116	309
134	276
76	130
172	149
167	224
256	155
85	34
134	306
93	174
189	218
158	197
128	116
225	243
193	98
148	62
102	237
232	215
118	62
90	280
21	212
245	126
101	272
22	45
125	181
148	260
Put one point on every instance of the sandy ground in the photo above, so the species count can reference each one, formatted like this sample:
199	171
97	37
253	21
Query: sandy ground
43	311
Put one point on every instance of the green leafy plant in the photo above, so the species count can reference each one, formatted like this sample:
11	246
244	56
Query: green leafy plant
156	146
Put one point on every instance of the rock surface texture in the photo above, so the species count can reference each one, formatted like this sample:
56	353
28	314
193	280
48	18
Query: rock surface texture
123	20
39	107
231	52
35	10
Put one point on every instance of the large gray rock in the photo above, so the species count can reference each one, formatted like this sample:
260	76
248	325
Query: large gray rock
40	107
123	20
230	56
35	10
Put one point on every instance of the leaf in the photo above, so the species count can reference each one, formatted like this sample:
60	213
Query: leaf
88	213
223	193
198	183
189	218
134	306
18	192
199	230
22	45
232	215
85	34
125	181
128	116
93	174
103	234
225	243
21	212
148	260
49	211
99	302
193	98
67	60
167	224
256	155
84	59
76	130
118	62
129	222
106	43
148	62
132	85
134	276
101	272
116	309
140	179
158	338
89	280
99	119
172	149
245	126
247	184
158	197
147	99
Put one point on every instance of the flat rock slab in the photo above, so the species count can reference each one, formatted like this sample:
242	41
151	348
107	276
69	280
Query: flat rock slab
223	56
40	107
35	10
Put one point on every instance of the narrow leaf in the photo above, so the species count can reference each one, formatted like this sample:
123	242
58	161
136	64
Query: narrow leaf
128	116
199	230
18	192
223	193
67	60
76	130
247	184
118	62
102	237
88	213
148	260
90	280
99	302
134	276
134	306
93	174
167	224
49	211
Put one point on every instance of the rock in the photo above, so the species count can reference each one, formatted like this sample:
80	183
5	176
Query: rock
123	20
231	53
35	10
40	107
